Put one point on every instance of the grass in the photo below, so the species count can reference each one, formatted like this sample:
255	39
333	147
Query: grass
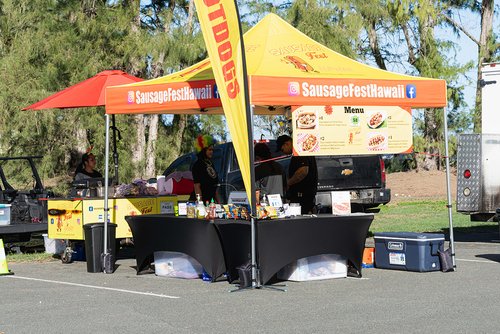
31	257
28	251
424	216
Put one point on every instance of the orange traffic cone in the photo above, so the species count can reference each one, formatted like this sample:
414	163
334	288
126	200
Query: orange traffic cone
4	270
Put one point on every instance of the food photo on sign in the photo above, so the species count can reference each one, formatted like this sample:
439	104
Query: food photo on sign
306	119
377	141
376	119
307	142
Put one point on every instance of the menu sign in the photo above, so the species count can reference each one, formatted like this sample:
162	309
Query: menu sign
345	130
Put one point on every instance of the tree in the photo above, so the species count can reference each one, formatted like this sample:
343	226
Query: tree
429	57
48	46
488	44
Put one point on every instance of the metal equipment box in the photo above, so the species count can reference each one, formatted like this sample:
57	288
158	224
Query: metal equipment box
478	180
408	251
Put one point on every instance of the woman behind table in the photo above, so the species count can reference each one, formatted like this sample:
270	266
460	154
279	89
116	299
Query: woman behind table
204	174
86	168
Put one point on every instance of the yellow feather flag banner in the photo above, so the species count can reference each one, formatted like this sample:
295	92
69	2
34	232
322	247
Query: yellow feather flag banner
221	31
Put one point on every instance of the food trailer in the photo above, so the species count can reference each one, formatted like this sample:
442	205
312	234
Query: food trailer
67	216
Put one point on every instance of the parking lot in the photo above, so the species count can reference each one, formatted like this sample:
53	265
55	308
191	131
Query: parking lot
59	298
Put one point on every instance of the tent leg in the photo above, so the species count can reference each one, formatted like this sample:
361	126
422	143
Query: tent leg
448	188
115	148
106	180
255	278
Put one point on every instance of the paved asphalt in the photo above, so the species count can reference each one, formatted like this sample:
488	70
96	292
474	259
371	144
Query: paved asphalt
63	298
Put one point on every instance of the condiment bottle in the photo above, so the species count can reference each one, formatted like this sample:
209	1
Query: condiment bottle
263	202
211	210
201	212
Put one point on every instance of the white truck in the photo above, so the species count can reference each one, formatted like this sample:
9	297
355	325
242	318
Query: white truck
478	155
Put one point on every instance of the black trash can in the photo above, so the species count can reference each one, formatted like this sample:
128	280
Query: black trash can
94	245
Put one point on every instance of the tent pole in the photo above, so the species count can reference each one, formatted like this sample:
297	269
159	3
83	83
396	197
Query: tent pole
115	148
106	175
249	117
448	188
253	203
253	199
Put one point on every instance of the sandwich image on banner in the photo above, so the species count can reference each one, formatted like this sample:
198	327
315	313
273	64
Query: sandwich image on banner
219	23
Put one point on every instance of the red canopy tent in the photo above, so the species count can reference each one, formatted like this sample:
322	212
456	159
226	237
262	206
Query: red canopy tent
88	93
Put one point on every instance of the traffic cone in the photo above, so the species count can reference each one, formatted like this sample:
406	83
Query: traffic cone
4	270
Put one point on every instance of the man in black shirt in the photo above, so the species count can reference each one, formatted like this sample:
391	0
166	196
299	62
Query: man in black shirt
302	176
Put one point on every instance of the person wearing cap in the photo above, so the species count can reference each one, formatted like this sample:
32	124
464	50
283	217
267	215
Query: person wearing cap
204	174
85	169
269	175
302	181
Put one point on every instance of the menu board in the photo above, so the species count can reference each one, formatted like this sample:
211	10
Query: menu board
346	130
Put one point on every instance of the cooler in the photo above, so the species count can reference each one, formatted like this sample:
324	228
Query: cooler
5	214
408	251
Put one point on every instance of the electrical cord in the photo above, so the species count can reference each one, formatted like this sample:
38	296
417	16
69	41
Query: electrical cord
227	184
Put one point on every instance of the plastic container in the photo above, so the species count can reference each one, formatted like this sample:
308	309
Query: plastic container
368	257
160	184
408	251
313	268
294	209
53	246
94	245
190	210
205	276
175	264
5	214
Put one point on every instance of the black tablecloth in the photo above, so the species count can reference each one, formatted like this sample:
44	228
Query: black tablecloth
227	243
236	241
283	241
194	237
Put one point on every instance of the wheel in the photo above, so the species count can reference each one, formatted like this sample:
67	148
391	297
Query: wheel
66	257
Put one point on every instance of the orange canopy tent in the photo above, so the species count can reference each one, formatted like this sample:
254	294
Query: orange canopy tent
285	67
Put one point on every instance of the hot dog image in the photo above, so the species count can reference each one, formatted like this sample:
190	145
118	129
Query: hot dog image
377	142
298	63
308	143
376	119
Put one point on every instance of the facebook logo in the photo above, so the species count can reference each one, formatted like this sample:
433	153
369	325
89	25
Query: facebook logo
216	92
411	91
